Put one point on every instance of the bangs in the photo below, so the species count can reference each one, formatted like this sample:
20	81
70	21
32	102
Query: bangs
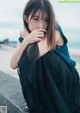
40	10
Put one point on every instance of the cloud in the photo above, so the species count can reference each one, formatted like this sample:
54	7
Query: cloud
11	22
67	14
12	34
12	6
11	18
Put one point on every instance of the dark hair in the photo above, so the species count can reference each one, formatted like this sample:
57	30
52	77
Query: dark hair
43	5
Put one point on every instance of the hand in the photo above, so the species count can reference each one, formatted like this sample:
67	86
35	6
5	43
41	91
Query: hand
24	33
35	36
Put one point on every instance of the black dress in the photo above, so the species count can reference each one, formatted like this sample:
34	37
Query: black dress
48	84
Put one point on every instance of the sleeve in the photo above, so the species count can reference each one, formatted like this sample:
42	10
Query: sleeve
20	39
71	63
27	62
62	34
63	51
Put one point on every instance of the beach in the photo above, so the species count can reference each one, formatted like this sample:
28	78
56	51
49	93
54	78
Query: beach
10	88
6	52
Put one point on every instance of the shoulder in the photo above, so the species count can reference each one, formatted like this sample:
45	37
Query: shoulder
59	35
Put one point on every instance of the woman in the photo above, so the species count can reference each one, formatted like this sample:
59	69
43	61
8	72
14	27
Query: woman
49	80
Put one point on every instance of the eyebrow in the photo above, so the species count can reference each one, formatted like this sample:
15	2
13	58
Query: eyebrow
35	16
38	17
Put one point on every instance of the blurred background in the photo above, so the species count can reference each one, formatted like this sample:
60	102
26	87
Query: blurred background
11	23
67	14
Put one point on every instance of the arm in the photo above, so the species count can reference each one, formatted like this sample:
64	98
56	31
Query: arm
37	34
42	45
17	54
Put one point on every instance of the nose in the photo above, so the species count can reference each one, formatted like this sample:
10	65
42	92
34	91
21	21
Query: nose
41	26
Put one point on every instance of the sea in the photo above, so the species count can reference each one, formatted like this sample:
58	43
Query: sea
71	45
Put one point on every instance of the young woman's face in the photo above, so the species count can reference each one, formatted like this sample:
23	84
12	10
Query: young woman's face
37	22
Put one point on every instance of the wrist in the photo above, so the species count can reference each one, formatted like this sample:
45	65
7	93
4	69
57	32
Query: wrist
25	41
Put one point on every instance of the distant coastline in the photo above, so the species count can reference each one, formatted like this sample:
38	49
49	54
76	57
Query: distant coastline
71	45
7	42
13	43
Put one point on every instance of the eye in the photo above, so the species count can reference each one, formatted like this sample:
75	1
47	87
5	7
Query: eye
46	20
35	18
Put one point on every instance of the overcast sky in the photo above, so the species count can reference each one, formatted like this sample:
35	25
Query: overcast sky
67	14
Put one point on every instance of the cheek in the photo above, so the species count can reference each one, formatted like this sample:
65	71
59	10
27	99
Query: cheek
35	25
32	26
45	25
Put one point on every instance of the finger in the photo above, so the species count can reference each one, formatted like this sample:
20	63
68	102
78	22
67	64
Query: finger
39	35
41	30
21	31
20	34
39	39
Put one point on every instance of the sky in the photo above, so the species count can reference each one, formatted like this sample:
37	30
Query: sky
11	23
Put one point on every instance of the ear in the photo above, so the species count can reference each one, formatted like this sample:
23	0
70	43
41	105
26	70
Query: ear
25	18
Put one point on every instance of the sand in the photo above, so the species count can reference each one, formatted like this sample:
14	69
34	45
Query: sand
5	56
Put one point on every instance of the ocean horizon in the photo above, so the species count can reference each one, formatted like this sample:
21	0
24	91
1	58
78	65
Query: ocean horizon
71	45
74	45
